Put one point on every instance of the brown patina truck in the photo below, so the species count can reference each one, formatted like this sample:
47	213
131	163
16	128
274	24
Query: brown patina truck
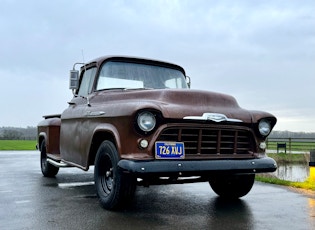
138	123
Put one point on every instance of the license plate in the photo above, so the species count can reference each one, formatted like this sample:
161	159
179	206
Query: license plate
169	150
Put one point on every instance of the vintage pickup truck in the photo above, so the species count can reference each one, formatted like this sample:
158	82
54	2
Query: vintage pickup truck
139	123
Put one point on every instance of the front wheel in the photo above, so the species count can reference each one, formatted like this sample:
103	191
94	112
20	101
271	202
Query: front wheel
48	169
114	188
232	186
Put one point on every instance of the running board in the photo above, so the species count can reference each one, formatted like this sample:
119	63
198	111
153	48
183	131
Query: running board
58	164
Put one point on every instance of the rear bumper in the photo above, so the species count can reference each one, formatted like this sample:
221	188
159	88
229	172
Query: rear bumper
198	167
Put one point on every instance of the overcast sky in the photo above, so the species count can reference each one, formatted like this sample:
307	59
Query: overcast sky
261	52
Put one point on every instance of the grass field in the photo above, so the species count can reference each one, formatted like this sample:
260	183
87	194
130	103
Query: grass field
17	144
290	158
308	184
293	146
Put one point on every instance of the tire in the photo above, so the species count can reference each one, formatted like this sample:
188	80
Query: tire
48	169
232	186
114	188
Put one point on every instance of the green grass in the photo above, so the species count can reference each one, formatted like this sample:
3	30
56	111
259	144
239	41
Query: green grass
293	146
289	158
308	184
17	144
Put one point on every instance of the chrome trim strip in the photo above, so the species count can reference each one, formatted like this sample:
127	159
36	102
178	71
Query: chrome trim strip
94	113
216	117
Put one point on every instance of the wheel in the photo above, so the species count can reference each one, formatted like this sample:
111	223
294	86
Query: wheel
114	188
232	186
48	169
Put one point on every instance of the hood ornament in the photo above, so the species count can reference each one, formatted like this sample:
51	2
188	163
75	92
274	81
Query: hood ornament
216	117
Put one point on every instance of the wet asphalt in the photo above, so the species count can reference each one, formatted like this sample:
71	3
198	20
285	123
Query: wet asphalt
30	201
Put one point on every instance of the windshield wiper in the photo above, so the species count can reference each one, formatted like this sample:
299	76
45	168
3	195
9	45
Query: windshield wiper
127	88
143	88
114	89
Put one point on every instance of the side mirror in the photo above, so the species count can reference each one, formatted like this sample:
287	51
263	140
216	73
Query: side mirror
188	81
74	80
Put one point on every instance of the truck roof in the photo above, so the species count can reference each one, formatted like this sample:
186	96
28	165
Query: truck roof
98	61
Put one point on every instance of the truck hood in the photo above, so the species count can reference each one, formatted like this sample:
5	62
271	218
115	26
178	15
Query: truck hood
180	104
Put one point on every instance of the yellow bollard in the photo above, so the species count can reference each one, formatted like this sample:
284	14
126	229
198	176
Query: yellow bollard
312	165
312	173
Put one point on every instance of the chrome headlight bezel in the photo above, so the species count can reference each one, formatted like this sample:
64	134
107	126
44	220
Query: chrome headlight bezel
264	127
146	121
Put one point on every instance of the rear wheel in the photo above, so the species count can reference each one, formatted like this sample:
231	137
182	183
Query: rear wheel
48	169
232	186
114	188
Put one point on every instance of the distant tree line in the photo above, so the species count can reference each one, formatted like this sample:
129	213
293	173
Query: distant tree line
288	134
12	133
30	133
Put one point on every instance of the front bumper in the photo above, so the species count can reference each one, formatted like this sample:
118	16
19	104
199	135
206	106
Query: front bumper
198	167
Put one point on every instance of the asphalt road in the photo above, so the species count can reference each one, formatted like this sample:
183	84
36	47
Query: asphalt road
30	201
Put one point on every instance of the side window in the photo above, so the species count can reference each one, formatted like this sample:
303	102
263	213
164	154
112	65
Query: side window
87	82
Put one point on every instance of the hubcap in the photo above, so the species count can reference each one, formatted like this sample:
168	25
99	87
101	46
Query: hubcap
109	173
106	176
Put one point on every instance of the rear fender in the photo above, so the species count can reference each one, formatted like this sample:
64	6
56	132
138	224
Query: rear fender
49	130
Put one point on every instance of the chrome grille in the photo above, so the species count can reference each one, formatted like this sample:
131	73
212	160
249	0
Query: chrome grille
211	141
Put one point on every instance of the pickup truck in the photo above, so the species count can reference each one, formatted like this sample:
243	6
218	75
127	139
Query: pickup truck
137	121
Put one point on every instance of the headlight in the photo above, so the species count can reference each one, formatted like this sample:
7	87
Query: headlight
146	121
264	127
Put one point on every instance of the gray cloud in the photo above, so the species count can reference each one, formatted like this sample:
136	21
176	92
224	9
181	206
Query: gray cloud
262	52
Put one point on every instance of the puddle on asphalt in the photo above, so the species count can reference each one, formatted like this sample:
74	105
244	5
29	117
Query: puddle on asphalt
75	184
292	172
51	185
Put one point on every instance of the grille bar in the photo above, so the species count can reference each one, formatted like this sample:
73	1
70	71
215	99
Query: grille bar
211	141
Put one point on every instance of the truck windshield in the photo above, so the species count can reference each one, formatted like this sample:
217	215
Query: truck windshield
115	74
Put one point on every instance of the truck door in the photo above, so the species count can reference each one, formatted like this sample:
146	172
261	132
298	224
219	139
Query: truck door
73	147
